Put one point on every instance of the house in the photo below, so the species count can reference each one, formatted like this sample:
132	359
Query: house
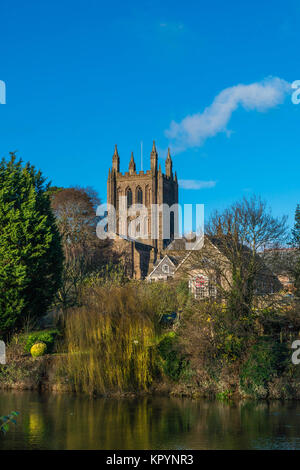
164	268
207	268
282	262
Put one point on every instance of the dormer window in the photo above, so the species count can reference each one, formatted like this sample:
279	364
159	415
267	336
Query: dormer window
165	269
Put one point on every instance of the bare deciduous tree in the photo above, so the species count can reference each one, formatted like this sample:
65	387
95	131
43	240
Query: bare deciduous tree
75	212
235	240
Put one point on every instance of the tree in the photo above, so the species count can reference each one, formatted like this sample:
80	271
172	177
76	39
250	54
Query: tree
75	212
31	255
296	243
241	233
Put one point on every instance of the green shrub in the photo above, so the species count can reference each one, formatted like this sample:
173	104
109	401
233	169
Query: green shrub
38	349
48	337
183	293
267	359
173	362
110	274
226	395
163	297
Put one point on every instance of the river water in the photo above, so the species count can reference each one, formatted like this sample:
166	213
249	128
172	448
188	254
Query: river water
61	421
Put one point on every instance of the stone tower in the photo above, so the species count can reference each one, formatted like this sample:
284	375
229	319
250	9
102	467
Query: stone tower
147	188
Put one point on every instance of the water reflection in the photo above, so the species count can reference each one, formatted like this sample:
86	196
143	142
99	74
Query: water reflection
50	421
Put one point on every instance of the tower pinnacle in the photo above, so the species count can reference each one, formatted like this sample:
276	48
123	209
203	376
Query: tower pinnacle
153	158
116	160
132	164
169	165
154	148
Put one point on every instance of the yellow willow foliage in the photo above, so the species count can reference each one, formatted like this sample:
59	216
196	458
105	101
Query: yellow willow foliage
110	341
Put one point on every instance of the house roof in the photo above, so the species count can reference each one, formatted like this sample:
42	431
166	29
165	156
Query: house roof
185	254
166	258
217	243
281	261
178	255
177	245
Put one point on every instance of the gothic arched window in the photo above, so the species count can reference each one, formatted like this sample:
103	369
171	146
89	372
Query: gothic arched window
147	195
129	197
139	196
119	193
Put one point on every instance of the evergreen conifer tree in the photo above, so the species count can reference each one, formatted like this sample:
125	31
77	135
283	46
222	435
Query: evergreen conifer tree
31	257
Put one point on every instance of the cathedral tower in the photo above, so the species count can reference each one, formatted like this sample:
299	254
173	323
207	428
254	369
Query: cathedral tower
147	188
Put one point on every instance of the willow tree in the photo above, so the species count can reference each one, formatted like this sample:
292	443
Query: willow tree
30	250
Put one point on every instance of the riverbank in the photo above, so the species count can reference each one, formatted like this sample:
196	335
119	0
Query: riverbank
25	373
119	343
44	374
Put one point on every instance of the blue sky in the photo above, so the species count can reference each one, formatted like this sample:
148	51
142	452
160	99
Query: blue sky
84	75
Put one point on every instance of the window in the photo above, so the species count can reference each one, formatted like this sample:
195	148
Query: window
147	195
172	225
139	196
129	197
201	292
212	290
165	269
119	194
202	287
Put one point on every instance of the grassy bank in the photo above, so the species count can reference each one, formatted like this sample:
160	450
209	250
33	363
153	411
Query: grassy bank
123	340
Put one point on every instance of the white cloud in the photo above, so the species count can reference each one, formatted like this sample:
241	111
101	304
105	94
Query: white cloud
196	184
194	129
